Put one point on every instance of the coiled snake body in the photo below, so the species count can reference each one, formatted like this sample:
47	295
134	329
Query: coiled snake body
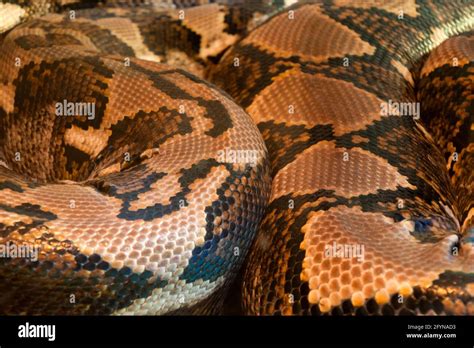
353	171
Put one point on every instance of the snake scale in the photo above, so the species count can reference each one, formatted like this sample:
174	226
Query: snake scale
322	150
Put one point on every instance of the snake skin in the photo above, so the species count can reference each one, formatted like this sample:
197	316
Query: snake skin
152	206
346	175
150	235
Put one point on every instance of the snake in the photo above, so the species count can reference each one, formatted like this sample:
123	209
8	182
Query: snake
295	157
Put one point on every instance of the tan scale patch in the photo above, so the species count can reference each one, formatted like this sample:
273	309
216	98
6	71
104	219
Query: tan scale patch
12	54
208	21
55	17
86	42
357	139
127	97
316	99
294	40
403	70
91	141
128	32
458	50
378	269
160	192
7	97
152	65
11	218
394	6
322	166
243	135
